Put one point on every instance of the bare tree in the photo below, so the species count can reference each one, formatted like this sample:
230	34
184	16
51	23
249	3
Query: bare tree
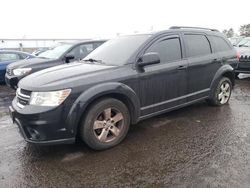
229	33
245	30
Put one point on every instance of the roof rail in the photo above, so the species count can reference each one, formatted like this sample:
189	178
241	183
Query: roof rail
185	27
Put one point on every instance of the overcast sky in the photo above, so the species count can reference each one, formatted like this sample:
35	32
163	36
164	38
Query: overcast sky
106	18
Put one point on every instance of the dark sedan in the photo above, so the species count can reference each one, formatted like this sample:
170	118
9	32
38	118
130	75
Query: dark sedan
10	56
64	53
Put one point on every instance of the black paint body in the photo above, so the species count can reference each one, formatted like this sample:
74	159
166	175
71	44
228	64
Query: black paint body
154	90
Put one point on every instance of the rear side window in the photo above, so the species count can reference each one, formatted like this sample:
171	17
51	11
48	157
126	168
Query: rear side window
197	45
23	56
168	49
8	57
219	44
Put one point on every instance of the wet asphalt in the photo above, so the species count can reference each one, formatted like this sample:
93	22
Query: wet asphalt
197	146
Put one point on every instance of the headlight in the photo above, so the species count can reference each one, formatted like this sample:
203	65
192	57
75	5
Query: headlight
52	98
21	71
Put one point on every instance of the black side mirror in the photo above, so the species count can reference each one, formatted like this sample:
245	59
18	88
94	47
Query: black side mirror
149	59
69	57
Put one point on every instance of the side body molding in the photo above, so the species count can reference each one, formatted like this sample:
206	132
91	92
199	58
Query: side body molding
101	90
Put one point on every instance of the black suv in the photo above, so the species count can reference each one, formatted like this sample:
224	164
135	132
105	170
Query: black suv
63	53
125	80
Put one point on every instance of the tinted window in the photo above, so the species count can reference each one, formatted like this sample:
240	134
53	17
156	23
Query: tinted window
168	49
23	56
82	51
197	45
118	51
8	57
219	44
56	52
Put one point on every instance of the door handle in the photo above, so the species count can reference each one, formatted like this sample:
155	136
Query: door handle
182	67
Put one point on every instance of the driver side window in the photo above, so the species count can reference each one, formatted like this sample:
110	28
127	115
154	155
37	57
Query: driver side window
81	51
168	49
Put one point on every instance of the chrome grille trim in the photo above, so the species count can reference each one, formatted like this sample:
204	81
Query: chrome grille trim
9	72
22	99
18	93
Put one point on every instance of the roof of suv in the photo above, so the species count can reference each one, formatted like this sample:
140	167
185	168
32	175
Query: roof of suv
178	29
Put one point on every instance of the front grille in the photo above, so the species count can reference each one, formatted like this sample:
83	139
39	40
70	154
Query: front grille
23	97
9	72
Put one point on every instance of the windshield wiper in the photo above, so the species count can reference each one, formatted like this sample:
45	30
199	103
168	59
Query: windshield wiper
94	60
244	45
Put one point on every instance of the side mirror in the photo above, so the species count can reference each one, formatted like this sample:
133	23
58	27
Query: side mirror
69	57
149	59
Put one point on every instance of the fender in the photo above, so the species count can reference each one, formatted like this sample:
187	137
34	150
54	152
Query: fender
222	70
97	91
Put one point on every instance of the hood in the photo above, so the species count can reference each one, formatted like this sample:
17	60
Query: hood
64	76
243	50
5	63
29	62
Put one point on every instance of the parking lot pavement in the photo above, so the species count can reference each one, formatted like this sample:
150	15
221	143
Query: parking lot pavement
198	146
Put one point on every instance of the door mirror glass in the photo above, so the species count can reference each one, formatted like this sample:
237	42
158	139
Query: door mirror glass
149	59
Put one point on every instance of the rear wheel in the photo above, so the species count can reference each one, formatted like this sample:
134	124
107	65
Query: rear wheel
221	93
106	124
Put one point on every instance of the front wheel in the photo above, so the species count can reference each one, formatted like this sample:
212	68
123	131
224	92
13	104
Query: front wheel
221	93
106	124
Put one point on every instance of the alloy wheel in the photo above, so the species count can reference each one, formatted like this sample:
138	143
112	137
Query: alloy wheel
224	94
108	125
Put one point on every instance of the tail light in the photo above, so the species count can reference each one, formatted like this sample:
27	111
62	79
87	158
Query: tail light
238	55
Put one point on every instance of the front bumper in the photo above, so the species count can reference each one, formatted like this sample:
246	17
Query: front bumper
12	81
243	67
43	126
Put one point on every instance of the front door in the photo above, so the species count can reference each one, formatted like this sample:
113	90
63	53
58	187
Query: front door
163	85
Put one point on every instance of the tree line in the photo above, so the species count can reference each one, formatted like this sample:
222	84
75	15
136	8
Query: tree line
244	31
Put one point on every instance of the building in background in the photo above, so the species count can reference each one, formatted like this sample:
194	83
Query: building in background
30	45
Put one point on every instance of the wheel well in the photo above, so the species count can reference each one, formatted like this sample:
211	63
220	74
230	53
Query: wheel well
120	97
231	76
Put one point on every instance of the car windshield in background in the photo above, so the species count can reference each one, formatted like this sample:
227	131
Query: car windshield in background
117	51
247	44
56	52
244	42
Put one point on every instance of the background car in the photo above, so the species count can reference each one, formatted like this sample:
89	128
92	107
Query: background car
243	49
39	51
235	40
243	42
10	56
64	53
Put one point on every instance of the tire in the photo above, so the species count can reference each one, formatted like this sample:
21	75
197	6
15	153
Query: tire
106	124
219	96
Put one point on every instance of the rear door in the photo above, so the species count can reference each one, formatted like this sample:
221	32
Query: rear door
224	51
201	65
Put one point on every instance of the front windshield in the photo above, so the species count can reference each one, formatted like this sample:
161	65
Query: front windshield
247	44
56	52
117	51
244	42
